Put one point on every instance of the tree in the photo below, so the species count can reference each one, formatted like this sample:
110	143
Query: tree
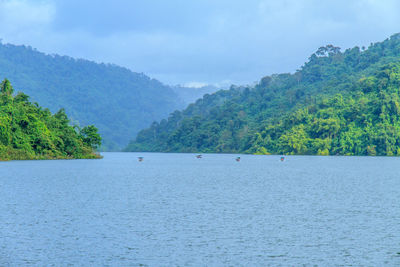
91	137
6	88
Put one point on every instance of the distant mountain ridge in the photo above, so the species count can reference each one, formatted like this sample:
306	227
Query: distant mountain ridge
191	94
118	101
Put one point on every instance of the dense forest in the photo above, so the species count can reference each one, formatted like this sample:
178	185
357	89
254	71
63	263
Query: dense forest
27	131
118	101
337	103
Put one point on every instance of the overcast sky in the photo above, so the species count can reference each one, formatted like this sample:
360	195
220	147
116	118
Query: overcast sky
197	41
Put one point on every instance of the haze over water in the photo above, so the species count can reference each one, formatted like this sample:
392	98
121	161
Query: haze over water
176	210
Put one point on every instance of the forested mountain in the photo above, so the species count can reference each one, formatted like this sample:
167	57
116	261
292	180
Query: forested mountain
337	103
118	101
28	131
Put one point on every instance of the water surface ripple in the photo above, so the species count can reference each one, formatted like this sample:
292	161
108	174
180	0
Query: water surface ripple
176	210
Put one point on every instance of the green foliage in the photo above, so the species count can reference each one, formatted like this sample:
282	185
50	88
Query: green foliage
338	103
359	124
91	137
29	132
262	151
6	88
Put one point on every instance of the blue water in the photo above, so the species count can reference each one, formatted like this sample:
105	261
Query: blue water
176	210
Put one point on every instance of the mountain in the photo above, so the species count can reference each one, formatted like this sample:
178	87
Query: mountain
120	102
337	103
28	131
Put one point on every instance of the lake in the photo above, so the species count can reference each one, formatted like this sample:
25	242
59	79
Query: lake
177	210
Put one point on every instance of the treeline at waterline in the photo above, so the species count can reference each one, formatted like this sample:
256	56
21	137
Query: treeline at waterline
337	103
28	131
364	122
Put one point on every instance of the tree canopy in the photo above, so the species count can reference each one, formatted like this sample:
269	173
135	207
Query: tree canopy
27	131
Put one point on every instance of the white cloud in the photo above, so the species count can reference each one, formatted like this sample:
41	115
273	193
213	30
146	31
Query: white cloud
237	41
20	19
195	84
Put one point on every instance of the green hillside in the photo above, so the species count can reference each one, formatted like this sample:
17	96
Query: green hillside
118	101
337	103
28	131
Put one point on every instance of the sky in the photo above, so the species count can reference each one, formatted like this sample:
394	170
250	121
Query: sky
197	42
